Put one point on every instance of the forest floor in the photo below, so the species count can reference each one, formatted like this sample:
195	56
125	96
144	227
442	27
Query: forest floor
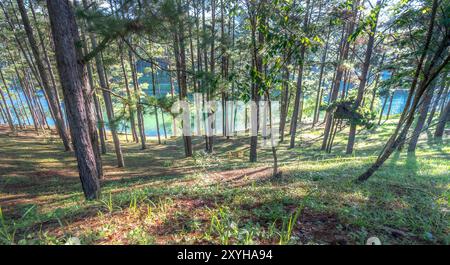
160	197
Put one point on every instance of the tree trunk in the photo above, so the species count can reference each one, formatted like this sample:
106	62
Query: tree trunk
257	65
224	72
22	109
272	139
212	61
446	95
426	101
443	119
73	80
205	70
94	113
137	92
51	94
298	97
390	105
20	43
3	119
377	79
108	103
197	124
48	64
437	100
199	111
172	94
299	91
382	109
155	107
10	99
31	107
284	103
319	88
110	113
180	58
7	114
343	56
407	117
363	78
40	114
130	107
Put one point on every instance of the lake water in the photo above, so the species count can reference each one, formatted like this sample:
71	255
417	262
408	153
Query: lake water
163	88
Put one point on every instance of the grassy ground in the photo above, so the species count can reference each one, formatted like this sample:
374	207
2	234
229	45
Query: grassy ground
163	198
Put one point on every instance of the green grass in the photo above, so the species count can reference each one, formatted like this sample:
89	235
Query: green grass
163	198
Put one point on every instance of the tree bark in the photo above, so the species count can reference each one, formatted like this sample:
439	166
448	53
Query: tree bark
363	78
137	92
110	113
92	111
407	117
343	55
298	98
377	79
10	99
130	107
108	103
443	87
382	109
426	101
7	114
95	112
284	103
446	95
31	107
390	105
443	119
180	59
299	91
212	61
3	119
48	64
257	65
155	107
73	80
319	88
51	94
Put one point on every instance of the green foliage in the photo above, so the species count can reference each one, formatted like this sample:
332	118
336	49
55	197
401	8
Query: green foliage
7	232
165	103
345	110
109	204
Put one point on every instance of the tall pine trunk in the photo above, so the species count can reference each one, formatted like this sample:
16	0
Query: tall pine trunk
415	96
443	86
155	107
423	111
127	88
443	119
137	92
363	78
180	59
108	103
51	92
94	112
390	105
8	93
7	114
284	102
74	80
319	88
343	56
298	101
